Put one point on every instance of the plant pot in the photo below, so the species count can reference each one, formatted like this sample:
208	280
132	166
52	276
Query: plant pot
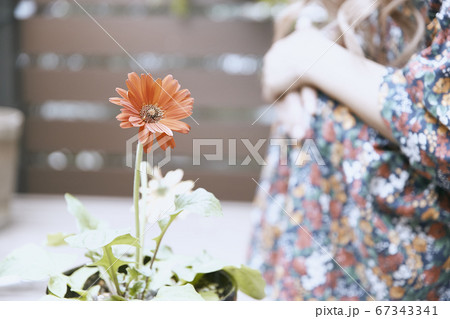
10	129
219	281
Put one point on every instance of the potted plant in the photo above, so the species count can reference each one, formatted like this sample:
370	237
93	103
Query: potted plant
120	267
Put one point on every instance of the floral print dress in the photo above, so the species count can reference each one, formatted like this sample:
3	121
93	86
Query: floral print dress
373	221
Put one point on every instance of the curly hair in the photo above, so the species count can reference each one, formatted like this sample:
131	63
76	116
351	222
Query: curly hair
347	23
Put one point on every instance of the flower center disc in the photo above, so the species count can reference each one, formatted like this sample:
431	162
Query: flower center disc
151	113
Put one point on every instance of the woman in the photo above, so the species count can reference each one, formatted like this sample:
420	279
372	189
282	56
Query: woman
373	221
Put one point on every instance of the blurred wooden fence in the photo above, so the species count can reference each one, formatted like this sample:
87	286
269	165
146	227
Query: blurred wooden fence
70	67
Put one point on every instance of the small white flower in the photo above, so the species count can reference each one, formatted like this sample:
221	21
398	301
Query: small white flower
410	148
393	249
404	231
316	270
443	115
403	102
422	139
353	217
324	201
369	155
380	187
352	171
378	287
158	198
398	182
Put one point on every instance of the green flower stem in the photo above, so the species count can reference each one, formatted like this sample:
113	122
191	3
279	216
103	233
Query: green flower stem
144	186
158	244
160	237
137	184
107	251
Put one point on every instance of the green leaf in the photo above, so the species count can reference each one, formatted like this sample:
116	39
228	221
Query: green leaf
58	285
95	239
57	239
248	280
105	239
32	262
209	295
178	293
92	255
110	262
165	252
90	294
164	225
200	202
186	267
79	277
133	273
205	263
184	273
163	222
126	239
137	288
85	221
178	264
116	298
161	277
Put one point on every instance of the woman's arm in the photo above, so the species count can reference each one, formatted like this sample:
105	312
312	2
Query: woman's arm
308	58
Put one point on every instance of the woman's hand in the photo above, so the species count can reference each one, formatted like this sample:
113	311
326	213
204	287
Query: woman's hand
294	112
307	58
287	63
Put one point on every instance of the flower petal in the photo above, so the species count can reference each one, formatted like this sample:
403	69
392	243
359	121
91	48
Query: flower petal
183	187
126	124
178	113
172	178
157	92
148	145
136	121
176	125
148	87
115	100
123	117
134	85
143	88
143	134
151	127
170	88
163	128
134	100
123	93
165	141
130	107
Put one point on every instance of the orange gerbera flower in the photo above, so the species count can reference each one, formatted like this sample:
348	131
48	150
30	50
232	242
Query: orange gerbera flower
155	106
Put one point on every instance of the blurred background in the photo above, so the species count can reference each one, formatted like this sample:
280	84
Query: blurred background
59	68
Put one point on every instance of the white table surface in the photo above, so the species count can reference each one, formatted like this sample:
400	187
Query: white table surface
34	216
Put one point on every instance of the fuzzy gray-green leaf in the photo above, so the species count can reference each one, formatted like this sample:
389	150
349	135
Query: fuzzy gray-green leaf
178	293
57	239
95	239
58	285
248	280
85	221
32	262
199	202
